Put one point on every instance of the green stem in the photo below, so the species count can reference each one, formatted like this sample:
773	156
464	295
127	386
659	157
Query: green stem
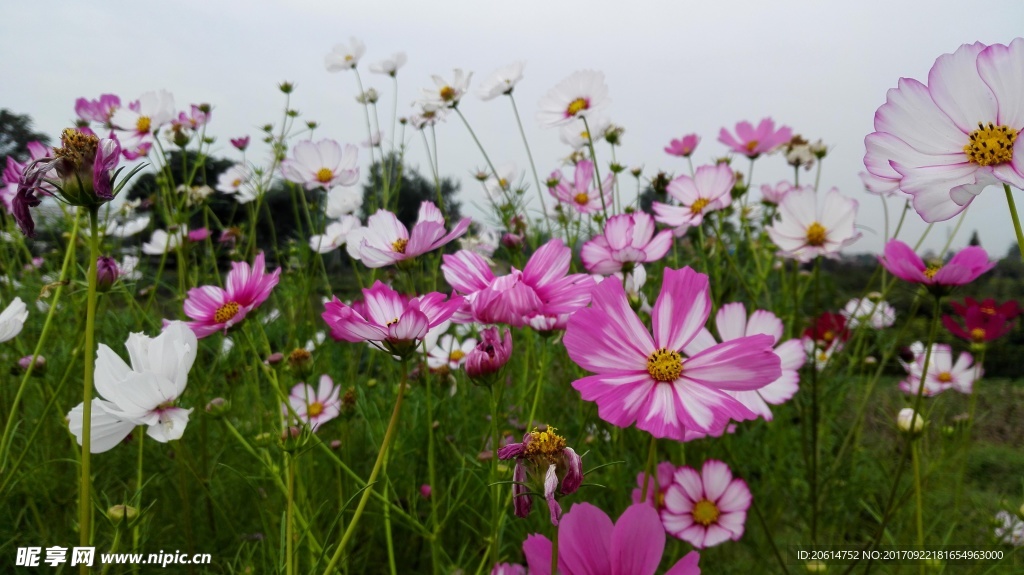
435	527
136	529
389	436
85	483
649	468
1016	220
496	393
289	528
597	174
533	167
916	456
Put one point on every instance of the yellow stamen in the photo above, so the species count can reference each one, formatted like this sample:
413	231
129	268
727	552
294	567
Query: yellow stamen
447	93
665	365
945	377
399	245
751	145
456	355
324	175
577	106
142	125
699	205
991	145
705	512
978	335
226	312
581	199
314	409
816	235
546	445
931	270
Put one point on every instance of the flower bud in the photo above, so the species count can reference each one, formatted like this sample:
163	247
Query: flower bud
910	422
26	361
106	273
816	566
425	491
274	358
240	143
300	359
485	361
512	242
118	513
218	406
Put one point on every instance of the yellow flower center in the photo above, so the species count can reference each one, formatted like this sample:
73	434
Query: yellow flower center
978	335
931	270
577	106
659	499
314	409
751	145
299	355
585	135
503	183
945	377
226	312
699	205
456	355
77	149
990	145
581	198
324	175
828	336
236	183
399	245
665	365
447	93
142	125
546	445
988	310
705	512
816	235
349	57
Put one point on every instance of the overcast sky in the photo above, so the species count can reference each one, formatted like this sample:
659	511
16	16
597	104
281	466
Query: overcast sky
672	68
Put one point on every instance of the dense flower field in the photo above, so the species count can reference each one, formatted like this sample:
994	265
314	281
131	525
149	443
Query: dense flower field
621	370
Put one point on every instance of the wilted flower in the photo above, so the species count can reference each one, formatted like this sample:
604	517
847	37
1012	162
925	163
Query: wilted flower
544	464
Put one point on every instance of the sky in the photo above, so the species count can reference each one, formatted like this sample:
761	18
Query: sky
672	68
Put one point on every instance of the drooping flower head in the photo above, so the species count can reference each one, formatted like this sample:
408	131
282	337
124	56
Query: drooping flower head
752	142
322	164
707	191
579	193
683	147
945	142
648	380
145	393
544	464
983	321
395	322
214	309
627	239
314	407
706	508
963	268
344	56
386	241
589	544
581	95
808	228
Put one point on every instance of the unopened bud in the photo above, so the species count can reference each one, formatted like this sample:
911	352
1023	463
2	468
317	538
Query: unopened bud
118	513
910	422
106	273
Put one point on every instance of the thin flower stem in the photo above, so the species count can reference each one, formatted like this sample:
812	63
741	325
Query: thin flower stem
597	172
972	406
915	452
388	539
1016	220
435	527
496	393
136	529
478	144
289	528
956	230
652	452
533	167
815	416
389	436
85	483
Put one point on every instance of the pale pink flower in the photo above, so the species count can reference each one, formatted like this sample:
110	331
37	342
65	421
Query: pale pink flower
580	95
807	228
707	191
943	373
683	147
386	240
963	268
334	236
647	380
706	508
142	119
323	164
579	193
314	407
774	194
214	309
627	239
752	142
946	142
99	111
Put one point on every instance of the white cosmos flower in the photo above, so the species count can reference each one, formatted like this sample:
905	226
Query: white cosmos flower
390	65
128	268
144	393
508	177
154	110
447	94
342	201
128	228
580	95
344	56
502	81
575	133
449	352
12	319
334	235
878	313
162	242
808	228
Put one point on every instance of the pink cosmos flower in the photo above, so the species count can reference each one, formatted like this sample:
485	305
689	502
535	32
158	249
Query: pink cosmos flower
732	323
541	290
943	373
946	142
323	164
545	463
965	267
582	94
774	194
389	318
627	239
314	407
707	191
487	357
646	379
240	143
386	241
99	111
752	142
885	187
657	485
578	193
589	544
706	508
684	147
808	229
214	309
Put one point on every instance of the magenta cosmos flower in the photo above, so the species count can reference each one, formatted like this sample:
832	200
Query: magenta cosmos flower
648	380
732	323
707	191
99	111
323	164
541	291
214	309
389	318
580	193
946	142
314	407
706	508
683	147
385	240
657	485
982	321
589	544
627	239
808	228
486	358
752	142
544	464
579	96
965	267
